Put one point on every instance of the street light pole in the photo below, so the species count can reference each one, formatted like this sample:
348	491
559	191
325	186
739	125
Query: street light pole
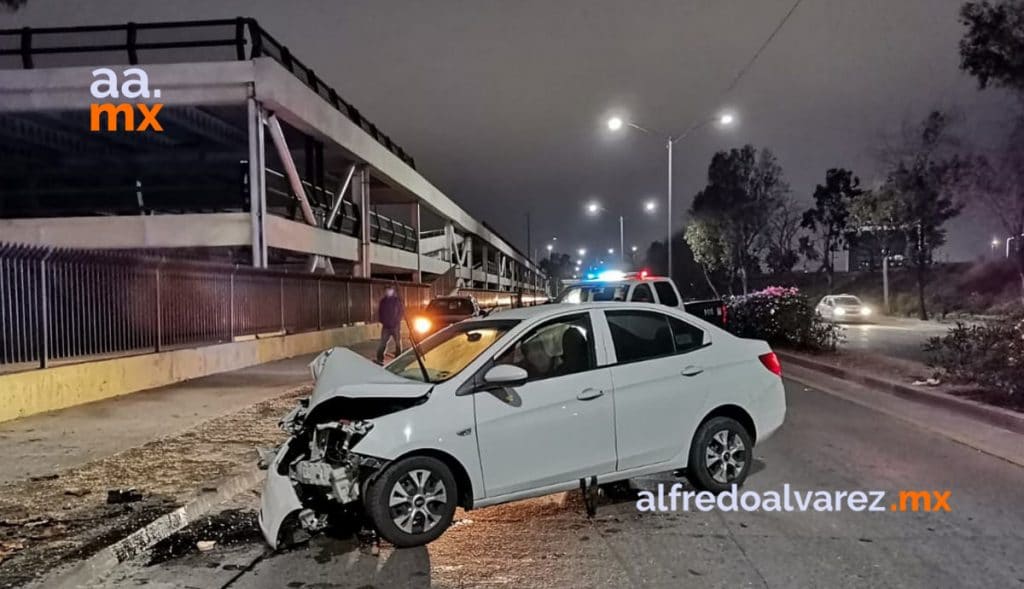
668	242
622	240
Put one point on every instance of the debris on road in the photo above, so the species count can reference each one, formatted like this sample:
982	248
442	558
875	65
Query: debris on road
206	545
87	523
118	496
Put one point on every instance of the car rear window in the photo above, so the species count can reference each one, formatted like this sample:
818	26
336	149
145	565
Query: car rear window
639	335
666	294
451	306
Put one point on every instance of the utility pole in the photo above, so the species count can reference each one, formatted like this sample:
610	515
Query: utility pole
529	245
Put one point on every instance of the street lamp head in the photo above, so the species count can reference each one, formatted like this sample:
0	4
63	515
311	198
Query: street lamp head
593	208
650	206
726	119
615	123
582	251
611	250
634	248
995	242
550	247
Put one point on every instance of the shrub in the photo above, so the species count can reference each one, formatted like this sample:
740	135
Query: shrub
782	317
990	354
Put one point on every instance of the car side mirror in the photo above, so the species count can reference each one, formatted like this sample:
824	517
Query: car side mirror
505	375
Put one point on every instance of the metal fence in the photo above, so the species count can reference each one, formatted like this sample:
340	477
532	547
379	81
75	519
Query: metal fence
68	305
62	306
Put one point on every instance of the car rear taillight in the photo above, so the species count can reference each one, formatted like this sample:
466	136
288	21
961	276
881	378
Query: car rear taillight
725	314
771	362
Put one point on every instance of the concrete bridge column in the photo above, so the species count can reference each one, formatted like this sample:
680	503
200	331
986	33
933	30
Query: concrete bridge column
361	196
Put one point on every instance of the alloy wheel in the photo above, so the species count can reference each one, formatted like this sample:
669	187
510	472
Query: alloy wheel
415	501
725	456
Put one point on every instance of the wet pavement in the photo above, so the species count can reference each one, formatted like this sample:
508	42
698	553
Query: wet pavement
826	443
892	336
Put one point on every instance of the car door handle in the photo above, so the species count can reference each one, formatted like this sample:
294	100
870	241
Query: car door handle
588	394
691	370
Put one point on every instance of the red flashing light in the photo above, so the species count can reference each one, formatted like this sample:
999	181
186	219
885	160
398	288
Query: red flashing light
771	362
643	274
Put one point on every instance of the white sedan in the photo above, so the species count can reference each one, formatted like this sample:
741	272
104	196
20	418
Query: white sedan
523	403
843	308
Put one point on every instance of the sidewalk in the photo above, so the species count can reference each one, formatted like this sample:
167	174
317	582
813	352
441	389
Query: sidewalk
172	445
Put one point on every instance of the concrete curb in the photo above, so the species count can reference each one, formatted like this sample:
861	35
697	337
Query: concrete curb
997	416
164	526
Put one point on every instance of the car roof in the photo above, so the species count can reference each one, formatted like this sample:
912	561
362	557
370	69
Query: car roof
555	309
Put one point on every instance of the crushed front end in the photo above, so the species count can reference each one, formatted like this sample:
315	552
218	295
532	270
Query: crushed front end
313	476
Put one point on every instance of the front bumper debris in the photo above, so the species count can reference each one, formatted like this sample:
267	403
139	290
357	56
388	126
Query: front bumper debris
314	474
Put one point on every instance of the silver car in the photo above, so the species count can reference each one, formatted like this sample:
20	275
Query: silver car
843	308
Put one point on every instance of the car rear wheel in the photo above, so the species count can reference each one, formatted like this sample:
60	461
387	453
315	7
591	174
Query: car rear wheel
720	455
412	502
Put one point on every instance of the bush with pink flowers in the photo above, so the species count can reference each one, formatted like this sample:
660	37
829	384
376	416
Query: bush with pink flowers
782	316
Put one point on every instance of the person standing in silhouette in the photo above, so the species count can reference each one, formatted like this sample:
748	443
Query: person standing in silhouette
389	311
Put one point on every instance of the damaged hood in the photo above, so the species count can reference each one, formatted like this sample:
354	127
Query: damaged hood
340	372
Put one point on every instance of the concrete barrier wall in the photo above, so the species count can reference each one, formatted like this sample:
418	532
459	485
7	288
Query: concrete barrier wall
36	391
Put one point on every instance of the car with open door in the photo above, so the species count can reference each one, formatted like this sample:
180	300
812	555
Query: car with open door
522	403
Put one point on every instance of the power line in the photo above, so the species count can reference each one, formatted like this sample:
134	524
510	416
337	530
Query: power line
743	71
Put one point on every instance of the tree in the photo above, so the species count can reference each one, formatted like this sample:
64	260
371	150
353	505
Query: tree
730	215
920	192
686	272
557	267
998	183
780	236
992	49
829	218
12	4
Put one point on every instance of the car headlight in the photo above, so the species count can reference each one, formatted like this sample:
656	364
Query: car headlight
421	325
865	311
840	311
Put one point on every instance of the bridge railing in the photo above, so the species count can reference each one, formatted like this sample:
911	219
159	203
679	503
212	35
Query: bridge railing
165	42
62	306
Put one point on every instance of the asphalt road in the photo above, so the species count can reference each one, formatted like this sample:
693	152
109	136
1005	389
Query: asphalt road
892	336
827	443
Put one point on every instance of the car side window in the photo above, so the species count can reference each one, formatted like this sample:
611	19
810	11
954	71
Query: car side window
642	294
666	294
555	348
640	335
686	337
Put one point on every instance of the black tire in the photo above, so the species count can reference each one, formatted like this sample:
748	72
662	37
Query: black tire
708	437
378	494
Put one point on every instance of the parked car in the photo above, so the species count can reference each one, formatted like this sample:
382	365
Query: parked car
522	403
843	308
442	312
641	287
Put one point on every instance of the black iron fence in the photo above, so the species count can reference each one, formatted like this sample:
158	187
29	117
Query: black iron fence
69	305
62	305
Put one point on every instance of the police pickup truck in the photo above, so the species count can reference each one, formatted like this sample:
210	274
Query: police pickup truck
641	287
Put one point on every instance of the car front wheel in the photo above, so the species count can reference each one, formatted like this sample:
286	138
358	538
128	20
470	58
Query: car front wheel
412	502
720	455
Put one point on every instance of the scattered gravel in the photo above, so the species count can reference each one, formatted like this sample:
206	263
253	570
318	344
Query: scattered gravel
69	514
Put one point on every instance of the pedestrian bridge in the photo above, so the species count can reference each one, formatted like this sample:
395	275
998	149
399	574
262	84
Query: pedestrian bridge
259	161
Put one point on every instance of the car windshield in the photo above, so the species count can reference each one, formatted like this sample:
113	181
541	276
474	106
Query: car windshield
848	301
594	292
450	307
448	351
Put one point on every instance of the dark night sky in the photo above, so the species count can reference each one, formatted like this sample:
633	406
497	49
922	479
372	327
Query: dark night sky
502	103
